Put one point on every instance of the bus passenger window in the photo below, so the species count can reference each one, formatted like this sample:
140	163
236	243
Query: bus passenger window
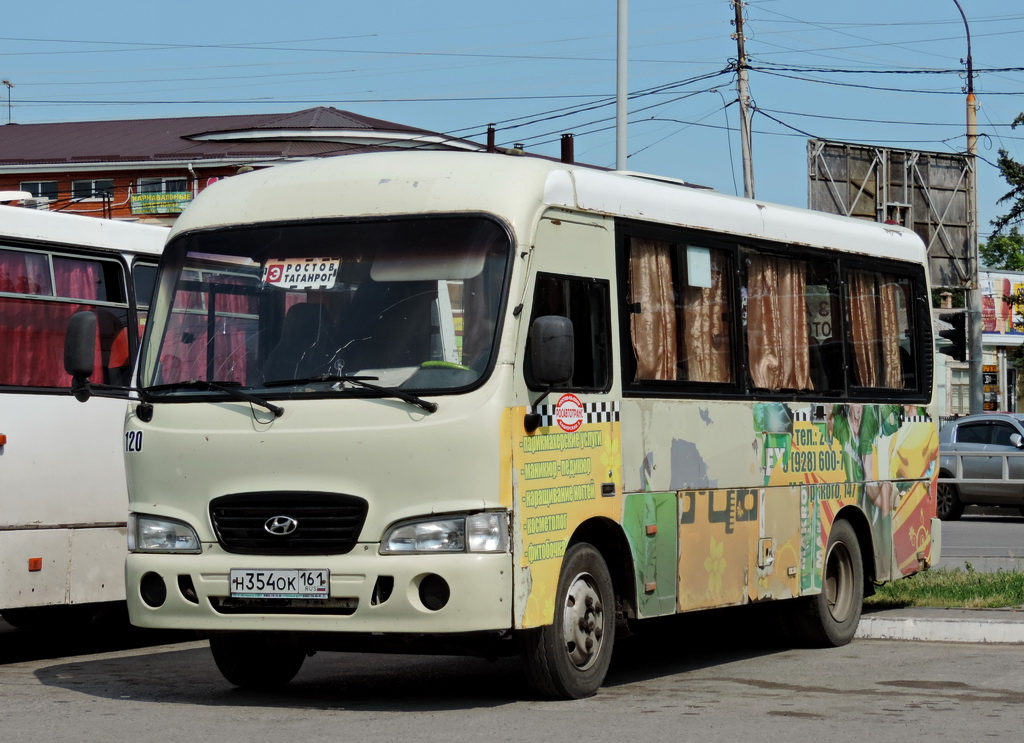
777	323
585	302
680	312
881	330
39	292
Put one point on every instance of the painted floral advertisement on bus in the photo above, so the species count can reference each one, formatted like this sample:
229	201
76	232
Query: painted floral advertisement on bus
565	471
879	457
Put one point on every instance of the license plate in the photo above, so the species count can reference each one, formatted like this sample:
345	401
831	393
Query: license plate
280	584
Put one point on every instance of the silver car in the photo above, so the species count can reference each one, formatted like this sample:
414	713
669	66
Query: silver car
981	462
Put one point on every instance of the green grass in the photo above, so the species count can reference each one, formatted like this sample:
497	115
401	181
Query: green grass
951	589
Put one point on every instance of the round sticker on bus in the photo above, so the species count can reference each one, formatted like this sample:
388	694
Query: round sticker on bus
569	412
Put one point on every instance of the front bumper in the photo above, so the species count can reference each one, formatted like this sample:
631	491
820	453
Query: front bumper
372	593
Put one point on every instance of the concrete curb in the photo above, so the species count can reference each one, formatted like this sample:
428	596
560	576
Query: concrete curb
944	625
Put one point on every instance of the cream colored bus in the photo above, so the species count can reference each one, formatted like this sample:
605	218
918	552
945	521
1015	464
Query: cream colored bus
499	405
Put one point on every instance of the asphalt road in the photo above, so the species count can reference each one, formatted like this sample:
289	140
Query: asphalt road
987	539
718	676
683	682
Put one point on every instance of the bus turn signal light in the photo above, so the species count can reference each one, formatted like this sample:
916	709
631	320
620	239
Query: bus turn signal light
35	564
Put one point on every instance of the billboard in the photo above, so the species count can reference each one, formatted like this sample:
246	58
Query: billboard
161	202
929	192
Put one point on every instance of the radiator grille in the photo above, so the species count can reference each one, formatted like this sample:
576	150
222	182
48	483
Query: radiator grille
324	523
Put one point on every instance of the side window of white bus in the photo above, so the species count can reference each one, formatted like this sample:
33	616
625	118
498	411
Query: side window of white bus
39	291
680	311
883	337
790	309
144	282
585	302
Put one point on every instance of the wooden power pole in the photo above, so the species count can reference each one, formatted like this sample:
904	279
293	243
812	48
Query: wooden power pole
743	91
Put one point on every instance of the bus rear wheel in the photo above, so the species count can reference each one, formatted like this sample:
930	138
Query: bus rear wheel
830	618
569	658
255	661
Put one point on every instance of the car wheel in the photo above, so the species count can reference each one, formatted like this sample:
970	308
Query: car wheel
949	506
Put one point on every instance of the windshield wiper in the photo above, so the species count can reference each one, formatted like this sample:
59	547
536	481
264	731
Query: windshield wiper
228	388
363	382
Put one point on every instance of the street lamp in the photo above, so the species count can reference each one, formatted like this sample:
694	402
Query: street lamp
974	371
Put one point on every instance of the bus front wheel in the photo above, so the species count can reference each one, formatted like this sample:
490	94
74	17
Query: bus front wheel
569	658
830	618
255	661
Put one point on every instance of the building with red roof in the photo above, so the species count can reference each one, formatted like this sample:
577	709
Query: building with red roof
150	169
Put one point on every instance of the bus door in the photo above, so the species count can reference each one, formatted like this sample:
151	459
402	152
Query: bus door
566	464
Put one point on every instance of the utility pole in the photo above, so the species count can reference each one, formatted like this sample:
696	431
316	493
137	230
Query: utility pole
9	85
621	85
743	90
975	376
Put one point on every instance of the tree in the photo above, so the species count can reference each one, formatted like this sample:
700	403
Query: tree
1013	173
1004	252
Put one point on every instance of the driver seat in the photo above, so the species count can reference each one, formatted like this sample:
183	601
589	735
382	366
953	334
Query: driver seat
307	346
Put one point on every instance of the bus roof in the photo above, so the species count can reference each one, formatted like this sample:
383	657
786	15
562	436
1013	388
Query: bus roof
519	189
73	230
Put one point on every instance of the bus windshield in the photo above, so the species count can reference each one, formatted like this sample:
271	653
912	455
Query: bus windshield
302	307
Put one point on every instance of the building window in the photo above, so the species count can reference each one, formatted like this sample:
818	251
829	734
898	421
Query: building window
92	189
161	185
959	391
41	189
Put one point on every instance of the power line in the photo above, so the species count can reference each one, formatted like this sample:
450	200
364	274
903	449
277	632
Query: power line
874	121
863	86
904	71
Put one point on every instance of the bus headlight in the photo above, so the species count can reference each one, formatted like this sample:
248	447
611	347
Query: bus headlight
158	534
476	532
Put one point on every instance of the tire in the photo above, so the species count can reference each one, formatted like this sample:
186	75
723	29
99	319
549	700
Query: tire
569	658
255	661
948	507
830	619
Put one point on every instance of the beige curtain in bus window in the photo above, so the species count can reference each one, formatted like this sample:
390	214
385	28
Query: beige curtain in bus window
777	332
874	325
653	328
889	312
864	328
706	338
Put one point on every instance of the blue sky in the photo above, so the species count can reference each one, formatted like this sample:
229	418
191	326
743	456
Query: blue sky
871	72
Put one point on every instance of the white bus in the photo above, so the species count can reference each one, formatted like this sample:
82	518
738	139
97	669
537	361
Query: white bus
440	401
63	498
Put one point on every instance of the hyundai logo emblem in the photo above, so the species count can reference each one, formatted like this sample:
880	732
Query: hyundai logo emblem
281	526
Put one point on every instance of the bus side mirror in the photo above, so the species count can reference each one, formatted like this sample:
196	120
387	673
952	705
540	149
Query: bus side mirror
551	350
80	352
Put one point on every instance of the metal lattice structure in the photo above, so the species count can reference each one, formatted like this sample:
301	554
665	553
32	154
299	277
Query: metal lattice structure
929	192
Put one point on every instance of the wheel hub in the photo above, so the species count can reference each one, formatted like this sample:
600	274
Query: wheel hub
839	582
583	622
